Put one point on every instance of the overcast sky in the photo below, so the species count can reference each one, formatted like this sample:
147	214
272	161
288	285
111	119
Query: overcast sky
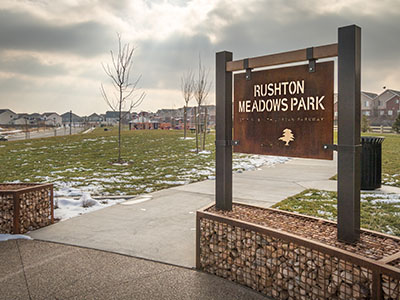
51	50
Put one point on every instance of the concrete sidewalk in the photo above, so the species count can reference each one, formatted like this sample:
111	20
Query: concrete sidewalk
43	270
162	227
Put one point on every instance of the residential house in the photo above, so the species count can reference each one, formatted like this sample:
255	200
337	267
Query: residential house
112	117
142	122
22	119
7	116
70	117
36	119
52	119
388	104
368	104
94	119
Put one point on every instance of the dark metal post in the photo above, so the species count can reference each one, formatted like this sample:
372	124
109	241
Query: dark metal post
349	108
223	86
70	122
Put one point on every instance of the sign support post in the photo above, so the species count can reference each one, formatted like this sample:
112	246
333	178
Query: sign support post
349	148
223	143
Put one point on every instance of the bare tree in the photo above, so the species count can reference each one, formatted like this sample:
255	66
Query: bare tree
187	88
201	90
124	98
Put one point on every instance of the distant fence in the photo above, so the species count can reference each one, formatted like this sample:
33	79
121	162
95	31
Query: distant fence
376	129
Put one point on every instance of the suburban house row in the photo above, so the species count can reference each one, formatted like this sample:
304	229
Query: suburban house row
380	109
171	118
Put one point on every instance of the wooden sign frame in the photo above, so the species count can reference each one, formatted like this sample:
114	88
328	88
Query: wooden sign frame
348	51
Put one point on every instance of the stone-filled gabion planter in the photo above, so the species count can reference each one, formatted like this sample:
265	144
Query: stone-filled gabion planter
25	207
290	256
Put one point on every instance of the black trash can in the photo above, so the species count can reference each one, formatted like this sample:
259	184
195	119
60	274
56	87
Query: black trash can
371	162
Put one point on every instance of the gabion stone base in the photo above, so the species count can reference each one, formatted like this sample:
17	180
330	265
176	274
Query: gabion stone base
25	207
287	266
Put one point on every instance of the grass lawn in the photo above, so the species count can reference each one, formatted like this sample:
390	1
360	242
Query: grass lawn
390	159
157	159
379	212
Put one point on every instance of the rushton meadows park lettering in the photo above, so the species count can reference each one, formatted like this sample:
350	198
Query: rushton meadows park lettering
281	96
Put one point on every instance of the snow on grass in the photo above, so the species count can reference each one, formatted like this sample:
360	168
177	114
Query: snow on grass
380	198
6	237
205	152
153	160
379	211
66	208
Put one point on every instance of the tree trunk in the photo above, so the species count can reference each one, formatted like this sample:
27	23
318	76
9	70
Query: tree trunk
184	121
205	128
196	118
119	127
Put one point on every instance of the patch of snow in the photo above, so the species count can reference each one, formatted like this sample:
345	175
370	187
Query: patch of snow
205	152
253	162
380	198
172	182
187	138
119	164
6	237
68	192
68	207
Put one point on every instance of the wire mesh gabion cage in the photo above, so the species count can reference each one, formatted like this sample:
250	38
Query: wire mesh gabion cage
285	266
25	207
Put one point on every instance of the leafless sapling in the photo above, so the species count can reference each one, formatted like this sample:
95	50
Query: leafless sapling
201	90
187	88
124	98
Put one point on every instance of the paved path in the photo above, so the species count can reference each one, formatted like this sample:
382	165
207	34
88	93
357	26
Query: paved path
41	270
162	227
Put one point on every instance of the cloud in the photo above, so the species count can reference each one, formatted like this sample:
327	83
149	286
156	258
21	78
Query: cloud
29	65
24	31
162	63
63	42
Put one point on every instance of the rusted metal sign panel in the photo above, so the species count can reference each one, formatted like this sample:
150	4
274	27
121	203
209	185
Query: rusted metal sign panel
286	111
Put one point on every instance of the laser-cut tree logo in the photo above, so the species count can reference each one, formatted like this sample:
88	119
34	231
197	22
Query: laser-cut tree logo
287	136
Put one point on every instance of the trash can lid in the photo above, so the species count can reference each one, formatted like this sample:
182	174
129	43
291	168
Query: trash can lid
372	139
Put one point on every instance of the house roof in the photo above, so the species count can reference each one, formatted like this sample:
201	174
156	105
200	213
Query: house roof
50	113
370	95
4	110
35	115
397	93
115	114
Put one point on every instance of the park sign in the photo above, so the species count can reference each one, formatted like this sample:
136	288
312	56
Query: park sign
286	111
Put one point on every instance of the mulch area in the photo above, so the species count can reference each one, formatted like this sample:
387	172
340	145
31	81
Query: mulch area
371	245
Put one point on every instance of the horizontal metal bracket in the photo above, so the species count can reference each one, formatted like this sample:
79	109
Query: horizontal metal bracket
311	60
345	148
246	67
333	147
225	143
